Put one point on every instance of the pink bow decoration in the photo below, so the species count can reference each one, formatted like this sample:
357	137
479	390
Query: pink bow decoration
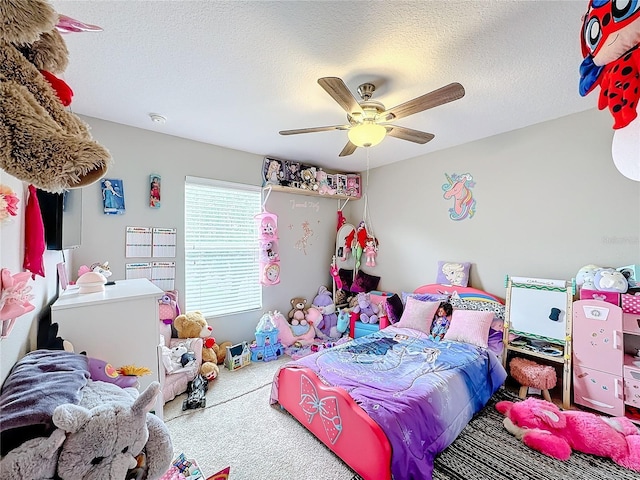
326	407
15	296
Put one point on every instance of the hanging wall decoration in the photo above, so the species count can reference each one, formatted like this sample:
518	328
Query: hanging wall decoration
268	244
458	188
8	203
154	190
112	196
15	298
307	233
609	42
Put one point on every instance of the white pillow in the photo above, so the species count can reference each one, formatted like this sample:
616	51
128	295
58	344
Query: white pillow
418	315
470	326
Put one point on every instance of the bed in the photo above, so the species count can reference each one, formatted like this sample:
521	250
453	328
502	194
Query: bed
389	402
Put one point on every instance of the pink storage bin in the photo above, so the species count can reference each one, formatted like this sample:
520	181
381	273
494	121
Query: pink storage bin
611	297
630	303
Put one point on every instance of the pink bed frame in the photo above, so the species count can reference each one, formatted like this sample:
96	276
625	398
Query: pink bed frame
361	443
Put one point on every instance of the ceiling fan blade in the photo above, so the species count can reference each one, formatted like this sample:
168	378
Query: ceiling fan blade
335	87
443	95
348	149
405	133
314	129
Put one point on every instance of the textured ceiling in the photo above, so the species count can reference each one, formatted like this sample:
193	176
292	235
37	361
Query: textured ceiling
234	73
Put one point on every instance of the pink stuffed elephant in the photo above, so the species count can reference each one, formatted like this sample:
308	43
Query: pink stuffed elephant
543	427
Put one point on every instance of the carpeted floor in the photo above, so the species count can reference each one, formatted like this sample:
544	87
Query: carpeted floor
238	428
486	451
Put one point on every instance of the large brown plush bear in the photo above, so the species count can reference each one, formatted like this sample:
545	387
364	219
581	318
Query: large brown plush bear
194	325
41	142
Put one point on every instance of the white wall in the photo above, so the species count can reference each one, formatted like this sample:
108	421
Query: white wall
138	153
549	200
23	336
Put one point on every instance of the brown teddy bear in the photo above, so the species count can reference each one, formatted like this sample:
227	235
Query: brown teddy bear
41	142
194	325
298	311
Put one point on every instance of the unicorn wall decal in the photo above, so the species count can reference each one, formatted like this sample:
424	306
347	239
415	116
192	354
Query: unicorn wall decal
459	188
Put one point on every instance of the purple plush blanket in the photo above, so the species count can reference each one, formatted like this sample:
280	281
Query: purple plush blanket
37	384
421	393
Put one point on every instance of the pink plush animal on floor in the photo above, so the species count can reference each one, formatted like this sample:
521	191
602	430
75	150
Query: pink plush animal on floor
543	427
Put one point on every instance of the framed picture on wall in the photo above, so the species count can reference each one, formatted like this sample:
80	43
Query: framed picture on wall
154	190
112	196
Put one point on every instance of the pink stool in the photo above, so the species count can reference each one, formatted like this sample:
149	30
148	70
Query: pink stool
531	374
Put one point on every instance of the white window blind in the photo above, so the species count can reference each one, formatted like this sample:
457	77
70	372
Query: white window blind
222	271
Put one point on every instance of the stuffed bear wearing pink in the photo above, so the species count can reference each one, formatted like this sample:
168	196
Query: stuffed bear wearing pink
543	427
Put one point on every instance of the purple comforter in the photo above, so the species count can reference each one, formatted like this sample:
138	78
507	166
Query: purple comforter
421	393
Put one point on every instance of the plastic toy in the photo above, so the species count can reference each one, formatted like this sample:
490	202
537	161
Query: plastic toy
196	393
237	356
543	427
344	317
266	347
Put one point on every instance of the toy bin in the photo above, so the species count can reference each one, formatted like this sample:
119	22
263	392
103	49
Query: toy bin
361	329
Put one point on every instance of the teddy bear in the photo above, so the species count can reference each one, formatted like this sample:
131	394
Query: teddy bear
297	311
367	310
41	142
542	426
194	325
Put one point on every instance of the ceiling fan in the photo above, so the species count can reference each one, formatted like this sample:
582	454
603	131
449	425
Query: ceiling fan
368	118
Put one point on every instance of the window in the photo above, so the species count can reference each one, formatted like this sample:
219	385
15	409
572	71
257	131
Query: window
222	272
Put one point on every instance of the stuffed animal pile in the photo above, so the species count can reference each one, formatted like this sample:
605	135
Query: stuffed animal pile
106	434
194	325
41	142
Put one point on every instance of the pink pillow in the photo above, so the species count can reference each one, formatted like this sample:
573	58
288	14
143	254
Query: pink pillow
418	315
470	326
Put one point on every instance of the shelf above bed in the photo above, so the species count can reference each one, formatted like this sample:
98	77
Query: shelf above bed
310	193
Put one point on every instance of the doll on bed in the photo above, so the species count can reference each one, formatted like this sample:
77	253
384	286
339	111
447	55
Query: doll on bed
441	321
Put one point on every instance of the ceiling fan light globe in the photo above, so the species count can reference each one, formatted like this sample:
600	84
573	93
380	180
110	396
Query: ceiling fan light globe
367	134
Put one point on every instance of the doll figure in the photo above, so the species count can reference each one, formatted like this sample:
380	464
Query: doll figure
441	321
370	252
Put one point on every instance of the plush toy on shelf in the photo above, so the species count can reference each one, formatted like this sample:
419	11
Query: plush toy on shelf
366	310
542	426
